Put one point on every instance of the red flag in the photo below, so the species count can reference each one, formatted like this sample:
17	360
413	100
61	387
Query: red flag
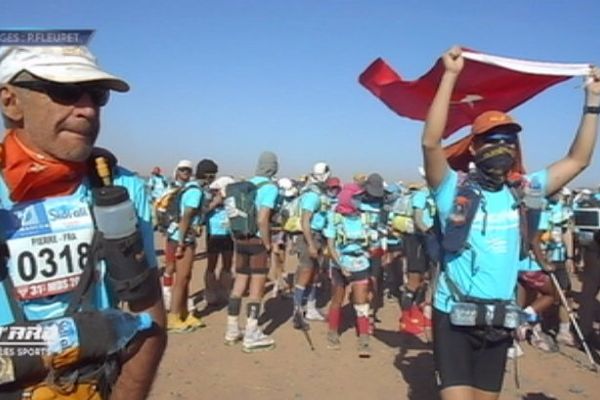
486	82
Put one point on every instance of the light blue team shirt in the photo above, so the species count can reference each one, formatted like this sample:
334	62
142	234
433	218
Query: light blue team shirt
192	198
218	223
158	185
488	270
353	250
267	194
55	306
313	202
422	200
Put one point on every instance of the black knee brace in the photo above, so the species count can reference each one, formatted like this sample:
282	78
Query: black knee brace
233	308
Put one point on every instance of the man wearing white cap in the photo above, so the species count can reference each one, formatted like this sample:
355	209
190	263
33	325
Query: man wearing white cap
50	99
309	245
182	235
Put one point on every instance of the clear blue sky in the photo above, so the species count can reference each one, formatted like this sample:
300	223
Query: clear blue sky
228	79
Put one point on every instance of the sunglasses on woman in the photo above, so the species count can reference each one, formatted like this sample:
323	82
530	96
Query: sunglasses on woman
68	93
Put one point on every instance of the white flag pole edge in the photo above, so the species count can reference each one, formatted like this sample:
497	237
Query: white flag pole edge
530	67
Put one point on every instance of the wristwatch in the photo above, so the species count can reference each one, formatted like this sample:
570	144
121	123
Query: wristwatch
591	110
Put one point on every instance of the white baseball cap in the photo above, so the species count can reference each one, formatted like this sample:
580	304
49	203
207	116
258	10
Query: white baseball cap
321	172
185	164
221	183
62	64
286	184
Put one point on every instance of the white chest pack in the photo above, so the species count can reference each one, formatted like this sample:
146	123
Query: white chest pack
48	243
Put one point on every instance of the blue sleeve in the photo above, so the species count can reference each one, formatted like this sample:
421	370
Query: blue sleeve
419	200
310	201
329	231
139	197
444	194
544	223
192	198
267	196
528	264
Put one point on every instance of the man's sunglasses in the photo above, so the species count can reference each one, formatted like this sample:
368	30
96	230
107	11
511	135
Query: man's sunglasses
68	93
500	138
185	169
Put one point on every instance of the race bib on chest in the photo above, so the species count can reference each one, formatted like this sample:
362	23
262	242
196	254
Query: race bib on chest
48	241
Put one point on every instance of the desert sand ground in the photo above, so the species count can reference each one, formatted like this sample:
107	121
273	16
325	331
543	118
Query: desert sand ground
198	365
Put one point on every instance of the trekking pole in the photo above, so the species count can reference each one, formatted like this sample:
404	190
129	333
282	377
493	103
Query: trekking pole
571	313
308	339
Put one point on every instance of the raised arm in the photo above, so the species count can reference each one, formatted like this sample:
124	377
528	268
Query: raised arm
434	159
580	152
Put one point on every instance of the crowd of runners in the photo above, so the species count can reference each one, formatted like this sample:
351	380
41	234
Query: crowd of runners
373	240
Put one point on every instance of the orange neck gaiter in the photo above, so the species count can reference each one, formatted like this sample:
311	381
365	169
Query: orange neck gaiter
32	176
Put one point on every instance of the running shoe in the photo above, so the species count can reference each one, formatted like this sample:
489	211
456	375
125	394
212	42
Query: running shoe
176	325
194	322
543	342
410	324
333	341
233	334
566	338
257	341
313	314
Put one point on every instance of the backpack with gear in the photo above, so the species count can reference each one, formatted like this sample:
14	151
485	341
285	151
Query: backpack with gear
291	213
168	207
240	204
402	215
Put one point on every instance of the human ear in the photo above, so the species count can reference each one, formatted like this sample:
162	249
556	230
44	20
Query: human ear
11	104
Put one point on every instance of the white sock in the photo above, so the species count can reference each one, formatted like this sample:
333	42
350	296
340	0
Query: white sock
251	324
530	311
563	327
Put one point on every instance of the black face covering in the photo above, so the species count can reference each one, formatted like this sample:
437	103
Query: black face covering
493	163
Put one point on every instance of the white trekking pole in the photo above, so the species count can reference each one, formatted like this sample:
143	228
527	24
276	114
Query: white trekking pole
571	314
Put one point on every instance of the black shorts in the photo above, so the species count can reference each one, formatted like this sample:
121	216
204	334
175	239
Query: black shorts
251	256
464	359
339	279
375	266
417	260
218	244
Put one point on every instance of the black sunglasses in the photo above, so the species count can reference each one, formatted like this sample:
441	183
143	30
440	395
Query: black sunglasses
68	93
184	169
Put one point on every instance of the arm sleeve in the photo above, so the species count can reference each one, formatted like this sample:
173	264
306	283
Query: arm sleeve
444	194
329	231
310	201
267	196
192	198
139	197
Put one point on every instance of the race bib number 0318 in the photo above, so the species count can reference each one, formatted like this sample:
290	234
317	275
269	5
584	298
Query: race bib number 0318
49	244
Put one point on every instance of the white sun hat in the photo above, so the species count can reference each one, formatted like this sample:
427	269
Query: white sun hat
62	64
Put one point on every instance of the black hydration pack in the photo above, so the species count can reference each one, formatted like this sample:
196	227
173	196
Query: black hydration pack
469	199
